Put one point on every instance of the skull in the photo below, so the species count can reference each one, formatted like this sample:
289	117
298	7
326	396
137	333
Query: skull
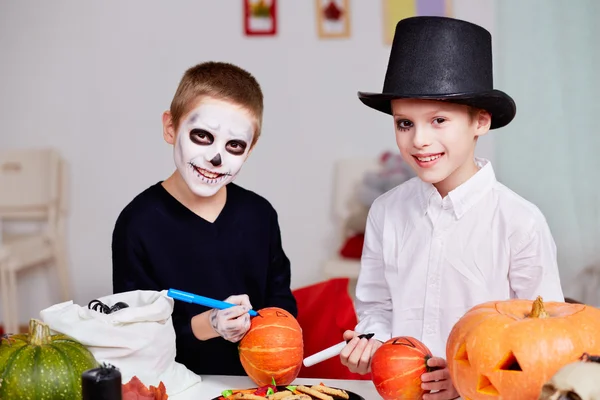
576	381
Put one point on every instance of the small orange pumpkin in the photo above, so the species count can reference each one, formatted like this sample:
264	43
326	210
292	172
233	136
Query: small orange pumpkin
397	366
273	348
509	349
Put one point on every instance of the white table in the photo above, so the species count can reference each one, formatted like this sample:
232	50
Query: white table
212	386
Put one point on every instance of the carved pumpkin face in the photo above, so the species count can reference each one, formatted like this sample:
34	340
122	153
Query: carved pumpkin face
509	349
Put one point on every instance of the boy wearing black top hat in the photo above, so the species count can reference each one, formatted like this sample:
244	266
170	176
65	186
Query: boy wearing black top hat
452	237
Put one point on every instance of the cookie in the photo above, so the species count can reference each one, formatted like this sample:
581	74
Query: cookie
313	393
337	393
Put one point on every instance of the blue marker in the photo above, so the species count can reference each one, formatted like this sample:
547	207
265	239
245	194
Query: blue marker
203	301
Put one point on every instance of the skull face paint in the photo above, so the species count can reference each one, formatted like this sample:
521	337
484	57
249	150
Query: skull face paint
213	142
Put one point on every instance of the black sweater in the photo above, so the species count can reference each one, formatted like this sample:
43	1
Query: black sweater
158	244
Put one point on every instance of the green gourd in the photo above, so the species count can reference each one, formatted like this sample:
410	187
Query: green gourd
42	366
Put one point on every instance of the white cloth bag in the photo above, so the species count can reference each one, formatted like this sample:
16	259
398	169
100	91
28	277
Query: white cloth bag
138	340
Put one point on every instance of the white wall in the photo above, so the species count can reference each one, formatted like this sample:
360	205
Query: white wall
92	79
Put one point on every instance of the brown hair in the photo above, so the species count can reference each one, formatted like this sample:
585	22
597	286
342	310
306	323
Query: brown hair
221	81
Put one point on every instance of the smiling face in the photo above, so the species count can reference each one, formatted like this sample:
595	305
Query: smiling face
211	144
437	139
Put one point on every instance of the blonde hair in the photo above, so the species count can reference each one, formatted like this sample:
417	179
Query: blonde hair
222	81
474	113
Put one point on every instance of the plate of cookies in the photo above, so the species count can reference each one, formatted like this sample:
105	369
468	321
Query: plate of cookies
292	392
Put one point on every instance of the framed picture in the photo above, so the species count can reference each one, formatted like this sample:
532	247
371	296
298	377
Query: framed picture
333	18
395	10
260	17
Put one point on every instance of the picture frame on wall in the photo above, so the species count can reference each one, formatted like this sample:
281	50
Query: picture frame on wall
260	17
395	10
333	18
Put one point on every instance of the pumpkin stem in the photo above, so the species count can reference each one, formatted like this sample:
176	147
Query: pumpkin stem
39	332
538	310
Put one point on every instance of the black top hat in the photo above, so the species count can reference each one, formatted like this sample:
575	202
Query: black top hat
440	58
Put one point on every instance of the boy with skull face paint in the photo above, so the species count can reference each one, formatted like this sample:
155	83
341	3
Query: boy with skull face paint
198	231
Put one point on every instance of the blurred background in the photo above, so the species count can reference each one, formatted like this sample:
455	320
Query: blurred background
90	81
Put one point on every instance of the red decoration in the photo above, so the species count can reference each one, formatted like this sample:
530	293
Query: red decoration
325	311
397	367
136	390
332	12
272	348
353	247
260	17
333	18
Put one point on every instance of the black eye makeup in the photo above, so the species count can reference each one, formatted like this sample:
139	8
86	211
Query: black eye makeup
201	137
404	124
236	147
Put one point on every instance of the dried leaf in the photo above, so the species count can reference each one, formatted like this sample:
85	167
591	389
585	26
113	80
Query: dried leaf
136	390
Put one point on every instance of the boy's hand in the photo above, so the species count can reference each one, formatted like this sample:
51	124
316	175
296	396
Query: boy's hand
438	380
232	323
357	354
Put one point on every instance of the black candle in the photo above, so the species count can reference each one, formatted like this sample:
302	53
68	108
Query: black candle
102	383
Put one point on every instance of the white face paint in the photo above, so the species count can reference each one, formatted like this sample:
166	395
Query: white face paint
212	144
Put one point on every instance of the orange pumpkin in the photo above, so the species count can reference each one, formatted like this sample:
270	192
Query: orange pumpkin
397	366
273	348
509	349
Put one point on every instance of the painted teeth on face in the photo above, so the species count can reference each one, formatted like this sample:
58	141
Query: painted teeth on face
429	158
208	176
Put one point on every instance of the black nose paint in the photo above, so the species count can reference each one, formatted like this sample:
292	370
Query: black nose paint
216	161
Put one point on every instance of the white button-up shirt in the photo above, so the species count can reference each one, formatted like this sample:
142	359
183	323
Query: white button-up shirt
426	260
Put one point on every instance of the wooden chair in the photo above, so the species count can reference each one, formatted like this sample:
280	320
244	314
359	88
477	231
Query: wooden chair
33	188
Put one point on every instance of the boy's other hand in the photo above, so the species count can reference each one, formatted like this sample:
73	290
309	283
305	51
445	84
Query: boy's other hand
232	323
357	354
438	380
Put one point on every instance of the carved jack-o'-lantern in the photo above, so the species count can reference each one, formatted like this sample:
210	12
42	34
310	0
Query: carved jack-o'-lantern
509	349
273	348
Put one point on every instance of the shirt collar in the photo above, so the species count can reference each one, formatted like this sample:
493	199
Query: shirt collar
464	196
